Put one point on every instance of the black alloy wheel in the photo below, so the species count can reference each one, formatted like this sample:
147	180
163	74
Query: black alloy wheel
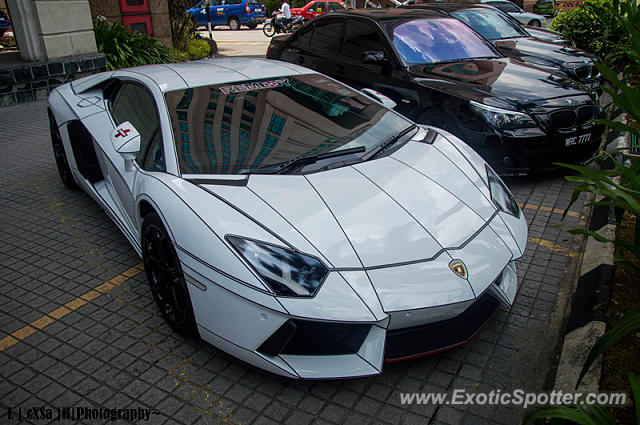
61	158
165	276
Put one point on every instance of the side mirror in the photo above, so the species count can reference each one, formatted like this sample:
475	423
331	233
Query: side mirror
373	57
379	97
126	141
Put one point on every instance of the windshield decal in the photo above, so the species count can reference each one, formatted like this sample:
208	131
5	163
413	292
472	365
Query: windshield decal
271	84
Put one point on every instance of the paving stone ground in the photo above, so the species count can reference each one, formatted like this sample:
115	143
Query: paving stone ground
116	352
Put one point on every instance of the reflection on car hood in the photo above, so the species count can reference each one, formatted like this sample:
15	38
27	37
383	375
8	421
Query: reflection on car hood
401	208
552	52
503	79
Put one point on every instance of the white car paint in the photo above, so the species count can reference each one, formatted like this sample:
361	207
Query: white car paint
387	229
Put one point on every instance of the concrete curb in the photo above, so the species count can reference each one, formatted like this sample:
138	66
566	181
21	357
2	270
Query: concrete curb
587	321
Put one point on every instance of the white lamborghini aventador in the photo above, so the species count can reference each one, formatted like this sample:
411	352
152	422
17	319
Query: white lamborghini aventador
288	219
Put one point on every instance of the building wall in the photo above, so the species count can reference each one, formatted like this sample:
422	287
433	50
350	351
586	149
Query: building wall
159	11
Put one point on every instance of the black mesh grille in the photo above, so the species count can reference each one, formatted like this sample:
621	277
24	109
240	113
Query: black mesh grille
586	113
565	118
306	337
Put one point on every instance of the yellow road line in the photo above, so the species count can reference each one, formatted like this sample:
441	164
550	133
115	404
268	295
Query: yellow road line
548	209
554	247
60	312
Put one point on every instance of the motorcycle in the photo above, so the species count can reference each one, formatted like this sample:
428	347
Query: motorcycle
275	26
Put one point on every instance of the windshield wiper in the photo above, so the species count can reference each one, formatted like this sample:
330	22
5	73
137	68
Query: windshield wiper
382	146
301	160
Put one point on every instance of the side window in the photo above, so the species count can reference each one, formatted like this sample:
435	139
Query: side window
303	37
321	6
326	35
335	7
135	104
505	6
360	37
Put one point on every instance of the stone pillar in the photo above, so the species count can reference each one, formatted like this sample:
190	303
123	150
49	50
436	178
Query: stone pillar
52	29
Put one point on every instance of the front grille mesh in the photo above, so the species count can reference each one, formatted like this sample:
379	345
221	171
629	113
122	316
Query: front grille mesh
565	118
570	118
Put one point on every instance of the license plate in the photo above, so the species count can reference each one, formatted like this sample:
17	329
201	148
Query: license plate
577	140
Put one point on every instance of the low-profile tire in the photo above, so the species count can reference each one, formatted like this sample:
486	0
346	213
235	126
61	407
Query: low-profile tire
61	158
234	23
534	23
164	274
252	26
268	29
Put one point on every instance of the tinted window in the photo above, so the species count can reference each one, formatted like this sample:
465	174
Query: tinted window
436	40
326	34
505	6
360	37
333	7
303	36
489	23
318	6
225	129
135	104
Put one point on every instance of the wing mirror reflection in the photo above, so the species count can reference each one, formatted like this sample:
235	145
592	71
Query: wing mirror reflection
380	98
126	141
374	57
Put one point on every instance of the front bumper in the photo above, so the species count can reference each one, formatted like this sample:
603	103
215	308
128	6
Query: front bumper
521	156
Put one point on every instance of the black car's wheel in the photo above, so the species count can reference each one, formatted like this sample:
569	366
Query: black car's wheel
438	119
534	23
252	26
234	23
61	158
165	276
268	29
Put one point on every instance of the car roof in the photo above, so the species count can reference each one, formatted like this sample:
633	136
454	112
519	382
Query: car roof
177	76
445	6
388	13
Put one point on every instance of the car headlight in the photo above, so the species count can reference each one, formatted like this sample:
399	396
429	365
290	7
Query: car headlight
287	272
500	195
501	118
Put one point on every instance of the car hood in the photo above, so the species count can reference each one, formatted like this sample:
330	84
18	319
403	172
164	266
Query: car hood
522	47
496	82
407	207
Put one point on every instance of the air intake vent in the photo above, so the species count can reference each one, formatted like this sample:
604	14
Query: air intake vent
310	338
586	113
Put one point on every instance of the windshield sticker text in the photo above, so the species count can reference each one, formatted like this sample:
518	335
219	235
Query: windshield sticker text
255	86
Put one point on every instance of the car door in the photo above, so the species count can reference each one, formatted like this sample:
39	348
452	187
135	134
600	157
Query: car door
316	44
219	12
362	36
133	102
510	8
199	12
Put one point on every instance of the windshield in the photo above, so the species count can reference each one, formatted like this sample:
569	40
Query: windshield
224	129
490	24
432	40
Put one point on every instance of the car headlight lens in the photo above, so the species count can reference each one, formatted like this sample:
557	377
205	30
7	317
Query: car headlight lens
503	119
287	272
500	195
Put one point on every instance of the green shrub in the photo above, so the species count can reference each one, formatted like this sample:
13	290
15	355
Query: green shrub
197	49
581	26
124	48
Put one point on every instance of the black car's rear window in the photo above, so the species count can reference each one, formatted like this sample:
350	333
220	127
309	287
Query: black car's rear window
234	127
432	40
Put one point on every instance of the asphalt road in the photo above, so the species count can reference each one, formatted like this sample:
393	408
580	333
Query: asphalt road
243	42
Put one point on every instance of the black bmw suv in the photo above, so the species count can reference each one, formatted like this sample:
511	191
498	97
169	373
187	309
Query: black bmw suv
440	72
